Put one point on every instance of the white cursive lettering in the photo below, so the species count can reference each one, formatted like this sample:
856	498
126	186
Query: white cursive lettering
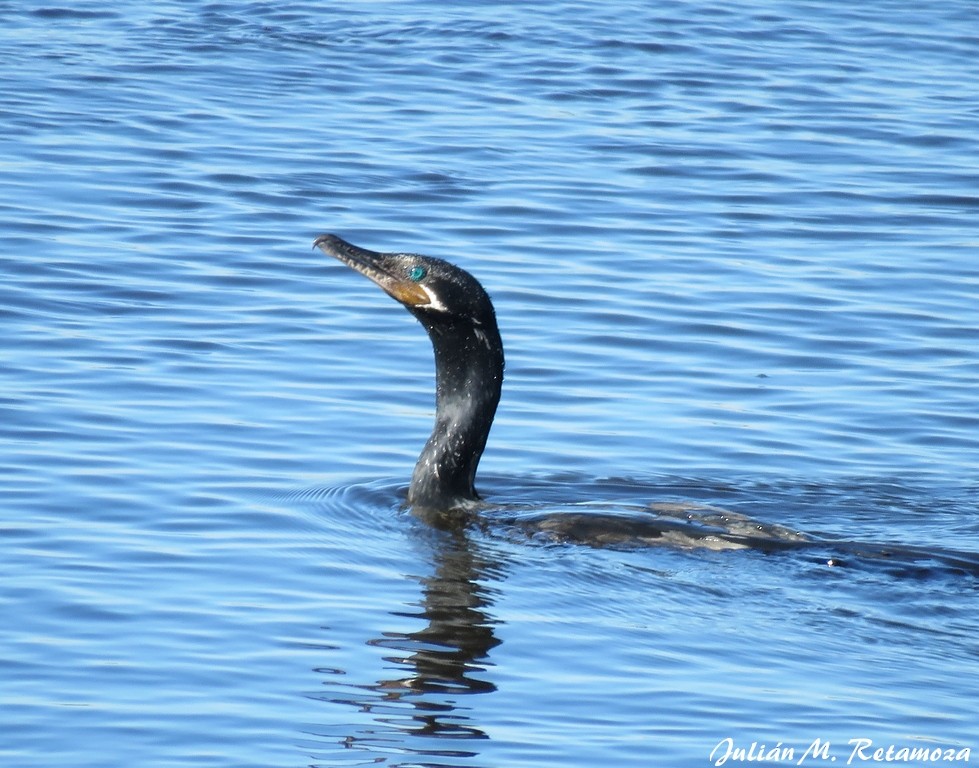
726	750
863	750
818	749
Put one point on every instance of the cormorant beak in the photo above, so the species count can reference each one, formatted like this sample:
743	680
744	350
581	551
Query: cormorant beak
379	267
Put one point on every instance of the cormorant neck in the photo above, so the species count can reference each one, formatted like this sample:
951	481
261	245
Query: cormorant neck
468	377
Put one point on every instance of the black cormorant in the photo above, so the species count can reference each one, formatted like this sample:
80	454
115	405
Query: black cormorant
459	317
460	320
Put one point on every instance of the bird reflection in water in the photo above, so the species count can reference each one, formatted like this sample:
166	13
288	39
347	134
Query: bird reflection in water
437	665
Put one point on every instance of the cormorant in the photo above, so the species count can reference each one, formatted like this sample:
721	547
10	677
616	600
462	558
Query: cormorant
461	322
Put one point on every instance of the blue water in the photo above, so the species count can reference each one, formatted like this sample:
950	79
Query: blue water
733	249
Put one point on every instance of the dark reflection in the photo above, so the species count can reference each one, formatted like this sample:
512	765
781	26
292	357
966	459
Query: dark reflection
438	666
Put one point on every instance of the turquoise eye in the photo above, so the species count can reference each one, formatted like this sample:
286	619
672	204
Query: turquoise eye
417	273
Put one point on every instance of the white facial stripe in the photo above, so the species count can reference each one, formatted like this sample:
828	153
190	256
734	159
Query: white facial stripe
433	300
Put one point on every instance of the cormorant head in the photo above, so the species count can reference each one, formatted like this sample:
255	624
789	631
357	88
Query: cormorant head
432	289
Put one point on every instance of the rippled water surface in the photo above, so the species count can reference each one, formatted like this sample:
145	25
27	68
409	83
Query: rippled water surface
733	251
